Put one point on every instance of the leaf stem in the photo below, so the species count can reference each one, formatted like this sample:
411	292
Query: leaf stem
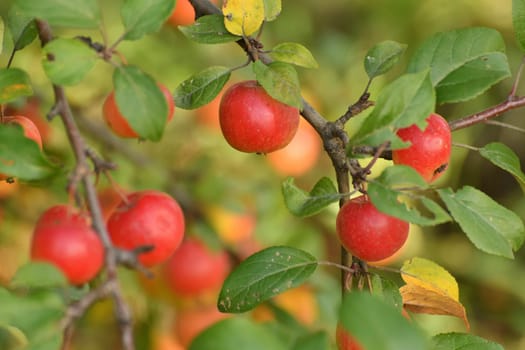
512	93
339	266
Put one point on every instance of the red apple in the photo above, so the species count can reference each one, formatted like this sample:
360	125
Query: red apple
148	218
252	121
63	237
429	152
367	233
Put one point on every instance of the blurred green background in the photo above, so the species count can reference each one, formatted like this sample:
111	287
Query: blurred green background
195	164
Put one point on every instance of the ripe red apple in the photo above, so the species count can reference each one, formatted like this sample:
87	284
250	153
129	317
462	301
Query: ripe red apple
116	121
429	152
345	341
30	131
252	121
194	268
63	237
367	233
148	218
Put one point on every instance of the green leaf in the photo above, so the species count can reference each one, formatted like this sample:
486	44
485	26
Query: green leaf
38	275
462	341
518	20
294	53
208	29
14	83
280	81
272	9
502	156
391	186
237	333
302	203
22	27
264	275
382	57
21	157
46	309
12	338
314	341
463	63
201	88
141	102
386	290
406	101
491	227
389	331
65	13
67	61
141	17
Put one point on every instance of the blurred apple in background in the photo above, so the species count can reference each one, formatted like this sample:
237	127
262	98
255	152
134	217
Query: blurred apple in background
300	155
192	321
8	189
32	110
300	302
109	199
231	226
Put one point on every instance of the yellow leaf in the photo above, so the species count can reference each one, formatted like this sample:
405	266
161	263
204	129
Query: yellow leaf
430	276
243	17
421	300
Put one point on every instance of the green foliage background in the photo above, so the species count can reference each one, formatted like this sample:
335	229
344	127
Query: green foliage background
194	163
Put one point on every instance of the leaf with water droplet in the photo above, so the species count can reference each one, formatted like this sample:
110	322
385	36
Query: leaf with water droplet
382	57
264	275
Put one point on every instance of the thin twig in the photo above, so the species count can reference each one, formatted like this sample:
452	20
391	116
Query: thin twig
512	93
342	267
505	125
492	112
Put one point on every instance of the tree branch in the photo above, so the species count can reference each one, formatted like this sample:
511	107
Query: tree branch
82	174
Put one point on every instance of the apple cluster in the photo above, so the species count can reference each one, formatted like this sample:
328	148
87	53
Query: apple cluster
63	235
371	235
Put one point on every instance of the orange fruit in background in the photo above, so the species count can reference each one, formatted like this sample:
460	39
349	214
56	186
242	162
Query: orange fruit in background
345	341
31	110
232	227
30	129
208	115
300	302
300	155
165	341
183	14
119	124
191	322
109	199
8	189
30	132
